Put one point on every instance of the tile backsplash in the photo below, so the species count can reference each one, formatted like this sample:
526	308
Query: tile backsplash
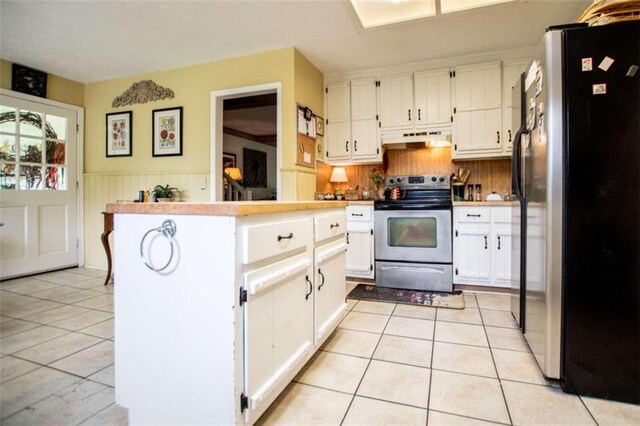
493	175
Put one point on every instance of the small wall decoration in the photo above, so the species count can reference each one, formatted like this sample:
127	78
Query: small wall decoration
319	125
119	136
167	132
255	168
228	160
28	80
142	92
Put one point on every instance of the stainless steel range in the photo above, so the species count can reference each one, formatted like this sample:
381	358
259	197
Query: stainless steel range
413	233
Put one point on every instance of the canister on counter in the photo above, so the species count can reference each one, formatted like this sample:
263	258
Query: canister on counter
458	191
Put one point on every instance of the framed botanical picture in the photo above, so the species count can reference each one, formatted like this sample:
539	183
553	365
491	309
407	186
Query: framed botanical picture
119	136
167	132
228	160
319	125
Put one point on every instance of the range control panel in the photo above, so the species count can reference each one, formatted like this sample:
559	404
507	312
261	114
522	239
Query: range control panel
419	181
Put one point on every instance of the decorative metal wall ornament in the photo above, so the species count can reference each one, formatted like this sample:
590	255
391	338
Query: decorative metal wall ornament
142	92
28	80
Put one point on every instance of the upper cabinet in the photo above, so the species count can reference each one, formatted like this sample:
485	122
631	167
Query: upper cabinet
432	95
352	124
477	87
395	102
510	72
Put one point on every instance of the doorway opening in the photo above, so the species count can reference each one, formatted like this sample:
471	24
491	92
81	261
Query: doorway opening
246	141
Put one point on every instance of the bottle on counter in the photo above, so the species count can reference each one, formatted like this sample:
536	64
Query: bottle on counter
470	192
366	194
478	192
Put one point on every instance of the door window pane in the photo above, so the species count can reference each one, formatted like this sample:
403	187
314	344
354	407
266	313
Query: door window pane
56	127
56	178
55	152
7	148
30	177
7	119
7	176
413	232
30	123
31	150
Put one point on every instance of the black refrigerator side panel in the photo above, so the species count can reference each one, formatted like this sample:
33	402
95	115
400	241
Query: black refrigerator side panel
601	293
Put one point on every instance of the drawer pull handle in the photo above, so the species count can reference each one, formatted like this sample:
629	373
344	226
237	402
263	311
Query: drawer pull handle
306	296
337	225
357	214
485	242
168	230
347	238
288	237
498	242
322	275
473	215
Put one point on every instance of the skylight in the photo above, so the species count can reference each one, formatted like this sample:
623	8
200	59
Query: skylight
377	13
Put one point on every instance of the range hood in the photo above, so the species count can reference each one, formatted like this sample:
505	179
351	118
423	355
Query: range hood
432	138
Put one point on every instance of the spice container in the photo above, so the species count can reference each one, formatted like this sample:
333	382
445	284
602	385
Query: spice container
478	192
470	192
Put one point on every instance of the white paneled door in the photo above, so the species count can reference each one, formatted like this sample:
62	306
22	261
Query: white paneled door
38	193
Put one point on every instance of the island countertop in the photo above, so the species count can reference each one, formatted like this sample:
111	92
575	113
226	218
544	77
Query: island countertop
226	208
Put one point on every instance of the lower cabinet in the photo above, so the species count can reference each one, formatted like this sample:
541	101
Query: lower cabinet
329	290
482	246
360	242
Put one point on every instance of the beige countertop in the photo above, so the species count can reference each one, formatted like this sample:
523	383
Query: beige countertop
481	203
229	208
360	202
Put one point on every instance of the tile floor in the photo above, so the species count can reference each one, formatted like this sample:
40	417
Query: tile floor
386	364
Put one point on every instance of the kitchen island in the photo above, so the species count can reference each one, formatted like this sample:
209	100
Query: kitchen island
219	305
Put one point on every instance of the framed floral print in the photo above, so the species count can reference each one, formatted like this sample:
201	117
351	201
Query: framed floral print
167	132
119	136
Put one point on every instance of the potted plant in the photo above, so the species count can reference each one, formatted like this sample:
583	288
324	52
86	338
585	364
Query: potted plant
164	193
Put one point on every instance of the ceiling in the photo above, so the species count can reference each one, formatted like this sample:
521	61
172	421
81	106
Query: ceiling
96	40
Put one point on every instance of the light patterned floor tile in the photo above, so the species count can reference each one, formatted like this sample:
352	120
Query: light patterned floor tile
463	359
470	300
470	396
12	326
113	415
505	338
62	277
84	320
410	327
87	361
89	284
307	405
374	307
102	329
29	388
28	286
361	321
351	303
404	384
613	413
58	348
498	318
57	314
467	315
11	367
535	405
500	302
352	342
365	411
404	350
26	339
28	309
89	272
67	406
415	311
437	418
333	371
105	376
96	302
518	366
466	334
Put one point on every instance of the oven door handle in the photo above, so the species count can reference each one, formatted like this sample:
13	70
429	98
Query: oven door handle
407	268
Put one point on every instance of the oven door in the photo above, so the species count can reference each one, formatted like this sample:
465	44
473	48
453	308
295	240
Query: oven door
413	236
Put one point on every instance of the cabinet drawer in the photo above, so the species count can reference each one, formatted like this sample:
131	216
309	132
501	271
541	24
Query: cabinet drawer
270	239
330	225
501	215
359	213
473	214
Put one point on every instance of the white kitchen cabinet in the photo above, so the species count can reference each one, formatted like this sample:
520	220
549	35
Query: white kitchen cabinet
360	242
432	95
395	102
352	124
511	70
476	133
243	304
482	246
477	87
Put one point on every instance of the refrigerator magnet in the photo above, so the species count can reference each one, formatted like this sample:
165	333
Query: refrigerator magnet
605	64
600	89
587	64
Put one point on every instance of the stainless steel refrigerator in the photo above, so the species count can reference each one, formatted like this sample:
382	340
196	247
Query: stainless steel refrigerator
576	175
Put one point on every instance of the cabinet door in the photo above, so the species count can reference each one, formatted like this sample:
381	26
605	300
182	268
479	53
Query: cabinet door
330	283
395	102
363	99
477	132
338	140
510	73
338	101
478	87
366	142
472	255
278	328
432	95
501	256
359	249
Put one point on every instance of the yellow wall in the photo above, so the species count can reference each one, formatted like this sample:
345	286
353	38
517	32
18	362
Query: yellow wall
58	88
